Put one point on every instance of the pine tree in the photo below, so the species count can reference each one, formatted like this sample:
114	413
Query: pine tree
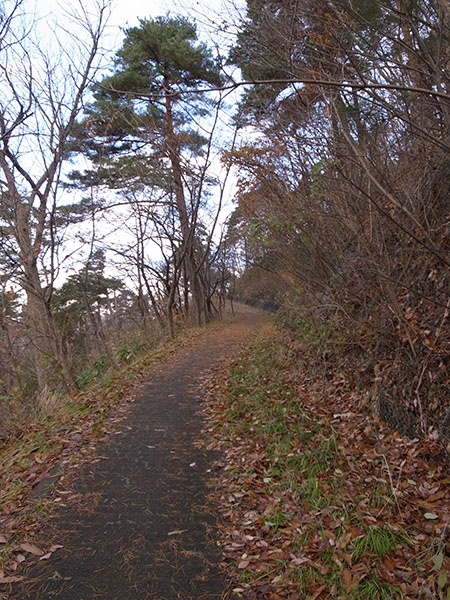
145	108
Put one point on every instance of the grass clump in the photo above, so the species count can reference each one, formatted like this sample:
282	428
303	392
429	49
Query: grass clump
313	530
377	540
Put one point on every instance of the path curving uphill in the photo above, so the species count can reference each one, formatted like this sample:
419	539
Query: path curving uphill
141	530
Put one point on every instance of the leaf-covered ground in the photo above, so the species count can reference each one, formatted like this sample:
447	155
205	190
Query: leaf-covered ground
319	498
122	513
51	448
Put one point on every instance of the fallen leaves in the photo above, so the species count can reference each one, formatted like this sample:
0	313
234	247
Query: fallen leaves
17	558
31	548
347	580
431	516
319	498
11	579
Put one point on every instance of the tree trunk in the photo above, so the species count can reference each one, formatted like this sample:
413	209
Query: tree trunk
99	335
186	230
45	337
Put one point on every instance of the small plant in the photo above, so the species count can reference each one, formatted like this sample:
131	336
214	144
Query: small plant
372	589
318	335
379	540
129	350
276	520
305	577
88	375
125	354
441	579
6	553
37	508
247	576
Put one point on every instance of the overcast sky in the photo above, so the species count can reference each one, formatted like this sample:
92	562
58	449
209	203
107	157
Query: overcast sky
125	13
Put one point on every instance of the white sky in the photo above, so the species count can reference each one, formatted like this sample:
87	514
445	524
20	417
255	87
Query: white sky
125	13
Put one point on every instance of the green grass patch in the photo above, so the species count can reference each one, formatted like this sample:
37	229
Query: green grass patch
371	588
378	540
302	468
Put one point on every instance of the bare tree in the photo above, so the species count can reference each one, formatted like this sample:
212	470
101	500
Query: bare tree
43	78
345	191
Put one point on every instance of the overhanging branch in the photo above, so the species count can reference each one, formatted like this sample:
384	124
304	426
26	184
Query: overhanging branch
322	82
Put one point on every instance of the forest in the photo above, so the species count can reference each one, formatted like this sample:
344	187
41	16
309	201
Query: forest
339	141
296	153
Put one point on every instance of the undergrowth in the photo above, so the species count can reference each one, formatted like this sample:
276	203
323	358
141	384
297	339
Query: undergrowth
308	520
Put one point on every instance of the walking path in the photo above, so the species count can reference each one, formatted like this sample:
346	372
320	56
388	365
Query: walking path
141	531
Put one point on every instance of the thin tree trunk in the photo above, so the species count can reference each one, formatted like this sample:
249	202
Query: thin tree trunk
46	337
187	233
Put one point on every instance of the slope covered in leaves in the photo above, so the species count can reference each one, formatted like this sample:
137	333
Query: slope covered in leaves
319	498
38	468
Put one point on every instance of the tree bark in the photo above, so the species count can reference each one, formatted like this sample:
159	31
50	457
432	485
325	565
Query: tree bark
186	229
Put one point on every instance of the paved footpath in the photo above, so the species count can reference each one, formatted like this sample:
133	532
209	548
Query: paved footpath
142	530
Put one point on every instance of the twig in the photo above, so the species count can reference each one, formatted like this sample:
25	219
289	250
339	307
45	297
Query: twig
393	488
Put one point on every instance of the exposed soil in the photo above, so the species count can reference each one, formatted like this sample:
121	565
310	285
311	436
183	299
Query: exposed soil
142	529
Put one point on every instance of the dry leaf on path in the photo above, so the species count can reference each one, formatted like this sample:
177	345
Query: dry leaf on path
347	580
11	579
31	548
